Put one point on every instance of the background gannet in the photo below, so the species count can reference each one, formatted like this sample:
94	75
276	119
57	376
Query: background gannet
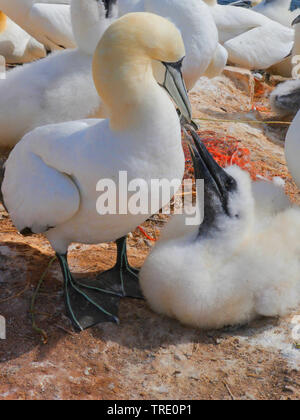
278	10
235	266
285	67
246	3
285	98
54	170
60	87
292	148
47	21
204	55
252	40
16	45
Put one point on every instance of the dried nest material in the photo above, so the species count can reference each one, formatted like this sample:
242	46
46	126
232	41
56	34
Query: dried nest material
225	150
228	150
261	94
261	89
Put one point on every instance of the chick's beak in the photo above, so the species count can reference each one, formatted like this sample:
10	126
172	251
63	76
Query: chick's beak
218	184
175	86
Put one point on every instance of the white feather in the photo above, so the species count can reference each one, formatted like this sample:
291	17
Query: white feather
48	22
252	40
17	46
57	89
248	267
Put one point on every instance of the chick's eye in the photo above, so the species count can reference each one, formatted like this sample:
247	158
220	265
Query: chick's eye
230	184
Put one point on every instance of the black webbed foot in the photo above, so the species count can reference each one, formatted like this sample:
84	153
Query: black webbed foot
122	280
86	305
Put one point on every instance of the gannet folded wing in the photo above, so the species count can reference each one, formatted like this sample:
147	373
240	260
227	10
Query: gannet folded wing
57	197
233	21
53	23
17	46
261	47
49	23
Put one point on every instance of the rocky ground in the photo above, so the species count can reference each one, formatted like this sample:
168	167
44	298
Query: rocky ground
146	356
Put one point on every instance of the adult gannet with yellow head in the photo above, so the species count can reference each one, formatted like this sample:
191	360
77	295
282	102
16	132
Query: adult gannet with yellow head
204	55
51	176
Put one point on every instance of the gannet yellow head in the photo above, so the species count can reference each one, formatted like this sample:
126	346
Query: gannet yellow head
122	64
3	22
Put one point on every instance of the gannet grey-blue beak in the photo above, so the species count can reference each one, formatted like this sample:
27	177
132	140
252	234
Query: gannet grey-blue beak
175	86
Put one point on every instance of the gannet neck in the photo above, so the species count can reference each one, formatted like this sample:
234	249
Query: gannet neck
122	67
3	22
232	230
88	23
122	93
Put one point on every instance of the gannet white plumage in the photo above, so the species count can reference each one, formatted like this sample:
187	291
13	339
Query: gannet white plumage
286	66
285	98
49	22
278	10
60	87
235	266
292	148
16	45
252	40
204	55
53	171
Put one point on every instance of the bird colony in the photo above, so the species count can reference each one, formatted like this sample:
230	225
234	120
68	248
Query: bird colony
98	88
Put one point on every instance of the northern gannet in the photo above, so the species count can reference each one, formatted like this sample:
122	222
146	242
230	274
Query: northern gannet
49	22
236	266
16	45
292	148
252	40
60	87
291	62
54	170
278	10
285	98
204	55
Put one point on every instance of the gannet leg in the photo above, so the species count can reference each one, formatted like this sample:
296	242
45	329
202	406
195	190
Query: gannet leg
122	279
86	305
